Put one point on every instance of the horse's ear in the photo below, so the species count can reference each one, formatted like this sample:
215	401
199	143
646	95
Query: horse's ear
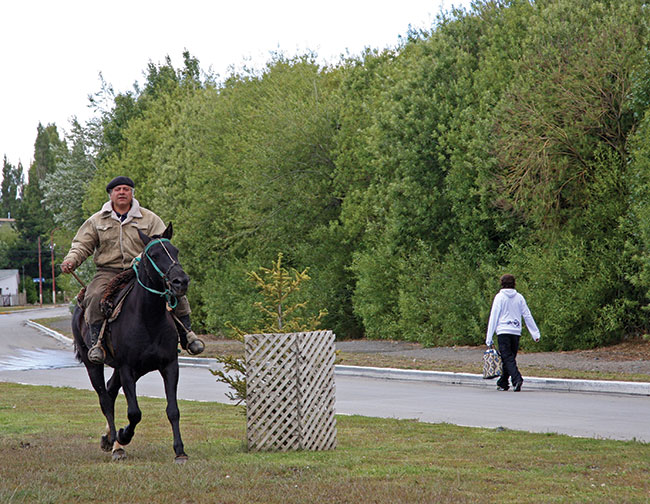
145	239
168	232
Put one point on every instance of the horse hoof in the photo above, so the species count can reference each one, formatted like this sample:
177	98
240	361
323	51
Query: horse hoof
181	459
118	455
123	438
106	444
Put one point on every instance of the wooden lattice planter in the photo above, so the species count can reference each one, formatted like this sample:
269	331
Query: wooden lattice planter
290	391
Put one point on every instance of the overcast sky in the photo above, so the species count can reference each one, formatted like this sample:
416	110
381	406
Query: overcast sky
52	52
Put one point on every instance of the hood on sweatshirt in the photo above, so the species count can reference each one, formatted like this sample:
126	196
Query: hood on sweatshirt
509	292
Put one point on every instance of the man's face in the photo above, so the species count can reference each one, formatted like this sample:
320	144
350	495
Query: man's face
121	196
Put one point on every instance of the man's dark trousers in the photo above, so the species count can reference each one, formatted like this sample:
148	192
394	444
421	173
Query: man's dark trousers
508	348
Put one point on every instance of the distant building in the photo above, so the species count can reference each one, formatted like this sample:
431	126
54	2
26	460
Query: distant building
9	282
6	221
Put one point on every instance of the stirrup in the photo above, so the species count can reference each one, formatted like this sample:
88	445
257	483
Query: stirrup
96	352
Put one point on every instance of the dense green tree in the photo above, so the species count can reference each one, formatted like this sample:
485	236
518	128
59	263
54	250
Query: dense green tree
33	219
65	187
637	222
265	186
363	83
578	59
418	105
562	130
11	189
47	150
8	237
464	110
132	125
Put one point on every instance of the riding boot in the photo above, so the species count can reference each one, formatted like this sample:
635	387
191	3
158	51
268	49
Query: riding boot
96	354
194	345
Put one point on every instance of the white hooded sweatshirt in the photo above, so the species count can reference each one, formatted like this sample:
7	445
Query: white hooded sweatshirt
505	318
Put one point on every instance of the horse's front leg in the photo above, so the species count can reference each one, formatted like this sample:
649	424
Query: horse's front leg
127	378
109	440
170	379
106	402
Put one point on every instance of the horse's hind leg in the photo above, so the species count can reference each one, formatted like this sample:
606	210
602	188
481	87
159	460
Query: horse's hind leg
170	379
133	412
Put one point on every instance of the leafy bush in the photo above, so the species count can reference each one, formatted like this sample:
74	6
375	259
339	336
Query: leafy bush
445	302
571	287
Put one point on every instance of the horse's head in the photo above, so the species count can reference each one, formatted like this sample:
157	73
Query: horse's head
160	259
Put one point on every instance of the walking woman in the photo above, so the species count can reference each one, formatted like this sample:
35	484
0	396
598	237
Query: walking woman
508	308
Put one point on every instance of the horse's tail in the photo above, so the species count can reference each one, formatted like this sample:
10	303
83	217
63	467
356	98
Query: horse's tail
77	352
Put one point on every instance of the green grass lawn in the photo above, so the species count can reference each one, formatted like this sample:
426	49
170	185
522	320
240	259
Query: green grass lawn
49	453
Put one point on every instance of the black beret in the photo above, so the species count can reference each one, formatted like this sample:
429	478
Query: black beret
119	181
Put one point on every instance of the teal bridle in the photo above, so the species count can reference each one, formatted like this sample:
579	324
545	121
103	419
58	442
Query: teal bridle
171	298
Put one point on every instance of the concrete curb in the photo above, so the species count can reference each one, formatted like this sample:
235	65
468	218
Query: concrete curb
50	332
474	380
204	362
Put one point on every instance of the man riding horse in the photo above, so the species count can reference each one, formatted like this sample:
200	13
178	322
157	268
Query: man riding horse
112	235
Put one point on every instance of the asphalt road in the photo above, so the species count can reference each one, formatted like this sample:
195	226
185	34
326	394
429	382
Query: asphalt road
31	357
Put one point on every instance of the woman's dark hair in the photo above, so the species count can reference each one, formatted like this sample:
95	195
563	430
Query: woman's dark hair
508	281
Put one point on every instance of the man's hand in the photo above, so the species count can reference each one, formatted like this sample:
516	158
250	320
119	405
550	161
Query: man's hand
67	267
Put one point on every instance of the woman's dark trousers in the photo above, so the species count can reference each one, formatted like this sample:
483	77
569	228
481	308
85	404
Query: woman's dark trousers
508	348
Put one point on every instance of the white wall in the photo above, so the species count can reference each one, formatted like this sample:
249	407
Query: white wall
9	281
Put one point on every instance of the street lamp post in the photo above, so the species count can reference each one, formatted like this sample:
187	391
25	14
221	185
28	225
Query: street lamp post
53	273
40	275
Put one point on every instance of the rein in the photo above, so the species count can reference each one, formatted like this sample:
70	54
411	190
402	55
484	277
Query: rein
172	300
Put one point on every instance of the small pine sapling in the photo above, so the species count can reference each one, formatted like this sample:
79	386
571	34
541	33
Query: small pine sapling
278	315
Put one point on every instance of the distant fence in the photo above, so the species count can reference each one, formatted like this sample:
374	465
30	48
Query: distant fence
13	299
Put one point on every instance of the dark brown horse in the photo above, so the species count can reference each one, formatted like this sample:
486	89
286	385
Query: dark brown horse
142	339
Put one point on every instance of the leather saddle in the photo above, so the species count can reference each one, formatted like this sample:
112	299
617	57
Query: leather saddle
115	294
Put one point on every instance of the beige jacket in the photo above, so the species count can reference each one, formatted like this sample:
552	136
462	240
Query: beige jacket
114	243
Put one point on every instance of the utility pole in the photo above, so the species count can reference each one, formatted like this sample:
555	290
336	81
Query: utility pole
53	274
40	275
